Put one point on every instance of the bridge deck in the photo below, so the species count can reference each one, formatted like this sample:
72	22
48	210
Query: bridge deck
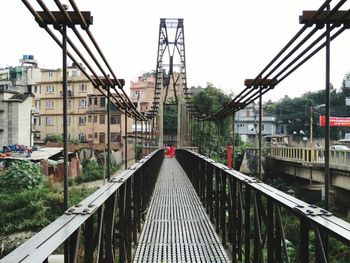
177	228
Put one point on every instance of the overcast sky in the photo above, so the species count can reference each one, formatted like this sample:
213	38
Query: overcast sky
226	41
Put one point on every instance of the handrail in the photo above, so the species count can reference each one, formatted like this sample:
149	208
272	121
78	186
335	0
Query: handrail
241	206
310	155
129	193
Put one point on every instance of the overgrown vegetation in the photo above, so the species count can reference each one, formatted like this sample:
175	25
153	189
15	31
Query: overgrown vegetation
92	171
28	202
22	175
59	139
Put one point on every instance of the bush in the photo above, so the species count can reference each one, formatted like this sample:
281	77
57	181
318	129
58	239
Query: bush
31	210
92	171
22	175
53	138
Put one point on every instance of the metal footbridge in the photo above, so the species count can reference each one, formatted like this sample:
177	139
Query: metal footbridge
191	209
177	228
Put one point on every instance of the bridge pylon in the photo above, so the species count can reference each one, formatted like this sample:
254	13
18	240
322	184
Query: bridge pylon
171	80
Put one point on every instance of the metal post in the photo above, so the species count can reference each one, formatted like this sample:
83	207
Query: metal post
108	133
153	137
311	128
327	128
260	133
328	179
65	122
233	140
146	137
126	137
135	138
209	129
141	138
65	131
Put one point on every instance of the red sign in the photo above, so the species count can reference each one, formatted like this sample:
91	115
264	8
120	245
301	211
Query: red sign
335	121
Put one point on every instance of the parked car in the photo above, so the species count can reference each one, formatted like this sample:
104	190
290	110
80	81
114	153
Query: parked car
340	147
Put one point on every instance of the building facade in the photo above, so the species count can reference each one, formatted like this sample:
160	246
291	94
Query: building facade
16	102
49	103
247	123
96	127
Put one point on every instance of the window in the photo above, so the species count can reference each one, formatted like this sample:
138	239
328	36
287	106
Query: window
50	89
90	136
95	135
82	87
95	101
82	137
102	119
136	94
115	119
69	104
102	102
90	101
89	118
50	74
75	73
102	137
38	104
49	121
95	118
82	120
37	89
82	103
248	113
262	127
115	137
241	125
49	104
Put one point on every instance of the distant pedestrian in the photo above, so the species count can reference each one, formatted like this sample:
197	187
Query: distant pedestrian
172	151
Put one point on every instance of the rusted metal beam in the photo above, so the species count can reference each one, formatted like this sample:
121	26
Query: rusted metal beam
325	17
260	82
61	19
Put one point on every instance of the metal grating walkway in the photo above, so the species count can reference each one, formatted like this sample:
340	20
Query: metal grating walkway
177	228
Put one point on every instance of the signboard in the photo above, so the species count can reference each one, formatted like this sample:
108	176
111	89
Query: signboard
335	121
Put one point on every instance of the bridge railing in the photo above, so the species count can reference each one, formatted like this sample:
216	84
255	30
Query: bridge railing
310	155
252	217
104	226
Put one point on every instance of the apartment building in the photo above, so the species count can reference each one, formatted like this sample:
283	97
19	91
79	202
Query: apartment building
49	103
96	129
16	101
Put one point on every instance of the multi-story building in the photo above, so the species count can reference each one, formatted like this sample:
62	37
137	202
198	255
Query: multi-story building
247	123
16	101
142	91
96	127
49	103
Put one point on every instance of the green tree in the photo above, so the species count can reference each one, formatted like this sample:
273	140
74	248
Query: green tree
22	175
211	136
170	118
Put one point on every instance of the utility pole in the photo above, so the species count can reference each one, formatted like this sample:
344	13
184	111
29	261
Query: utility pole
311	128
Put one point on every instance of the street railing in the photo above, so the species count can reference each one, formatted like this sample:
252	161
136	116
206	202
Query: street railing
104	226
256	220
310	155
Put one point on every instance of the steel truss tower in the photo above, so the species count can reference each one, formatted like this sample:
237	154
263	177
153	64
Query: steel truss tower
171	75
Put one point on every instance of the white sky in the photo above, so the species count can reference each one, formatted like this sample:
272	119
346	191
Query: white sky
226	42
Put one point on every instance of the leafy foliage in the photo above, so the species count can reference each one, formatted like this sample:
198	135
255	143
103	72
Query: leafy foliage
170	119
92	171
211	137
53	138
33	209
296	112
22	175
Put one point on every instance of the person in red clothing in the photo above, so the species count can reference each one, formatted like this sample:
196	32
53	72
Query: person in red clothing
172	151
